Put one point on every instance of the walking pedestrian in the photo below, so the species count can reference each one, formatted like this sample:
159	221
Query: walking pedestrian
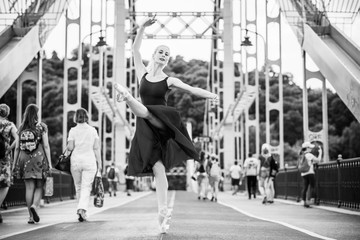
113	177
32	159
264	170
214	172
309	175
8	131
201	176
268	170
235	174
251	170
129	181
161	140
84	143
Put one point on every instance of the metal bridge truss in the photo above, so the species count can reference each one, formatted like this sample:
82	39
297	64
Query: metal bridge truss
230	124
224	123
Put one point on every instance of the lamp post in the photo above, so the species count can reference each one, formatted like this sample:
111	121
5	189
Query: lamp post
246	43
100	44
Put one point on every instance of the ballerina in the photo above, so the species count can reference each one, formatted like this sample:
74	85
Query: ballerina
161	140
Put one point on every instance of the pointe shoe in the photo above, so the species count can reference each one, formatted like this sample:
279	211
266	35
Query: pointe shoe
165	216
123	93
164	228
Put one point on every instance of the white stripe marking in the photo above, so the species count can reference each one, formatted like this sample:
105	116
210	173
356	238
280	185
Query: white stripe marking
97	210
279	222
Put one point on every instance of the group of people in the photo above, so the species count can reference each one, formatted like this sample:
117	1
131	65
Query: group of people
30	160
209	176
161	141
25	155
259	172
262	172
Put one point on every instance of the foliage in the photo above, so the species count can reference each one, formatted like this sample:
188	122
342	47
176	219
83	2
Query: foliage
344	130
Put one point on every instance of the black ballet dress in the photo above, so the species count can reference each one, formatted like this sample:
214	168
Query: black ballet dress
150	144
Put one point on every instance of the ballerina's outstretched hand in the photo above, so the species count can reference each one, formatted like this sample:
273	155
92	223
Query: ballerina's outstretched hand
149	22
214	100
122	93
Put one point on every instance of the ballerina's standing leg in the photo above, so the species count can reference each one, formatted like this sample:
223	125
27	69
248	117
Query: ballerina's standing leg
159	170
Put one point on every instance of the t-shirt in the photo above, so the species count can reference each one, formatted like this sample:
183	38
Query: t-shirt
84	137
235	171
251	166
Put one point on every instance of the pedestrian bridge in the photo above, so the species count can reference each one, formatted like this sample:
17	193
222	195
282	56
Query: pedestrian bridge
232	217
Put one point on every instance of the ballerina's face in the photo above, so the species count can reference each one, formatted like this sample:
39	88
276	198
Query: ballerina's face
162	55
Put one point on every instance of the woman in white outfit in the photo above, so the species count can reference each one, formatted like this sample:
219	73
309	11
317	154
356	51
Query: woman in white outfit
84	143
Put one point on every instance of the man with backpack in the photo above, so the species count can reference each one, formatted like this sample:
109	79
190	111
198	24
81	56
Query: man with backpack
113	179
306	167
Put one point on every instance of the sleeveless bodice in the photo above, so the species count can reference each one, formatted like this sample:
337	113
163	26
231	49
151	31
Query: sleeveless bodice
170	144
153	93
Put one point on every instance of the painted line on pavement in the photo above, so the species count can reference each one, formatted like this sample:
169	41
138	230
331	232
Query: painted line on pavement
278	222
70	218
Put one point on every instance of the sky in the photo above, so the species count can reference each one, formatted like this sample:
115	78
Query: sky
189	49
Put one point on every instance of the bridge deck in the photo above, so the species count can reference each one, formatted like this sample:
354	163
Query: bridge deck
233	217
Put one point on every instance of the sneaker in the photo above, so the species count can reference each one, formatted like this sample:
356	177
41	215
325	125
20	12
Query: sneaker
264	200
82	215
31	221
270	202
114	194
128	194
35	215
307	206
212	199
199	197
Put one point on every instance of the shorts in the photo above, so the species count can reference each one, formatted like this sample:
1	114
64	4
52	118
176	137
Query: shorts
129	183
235	181
213	180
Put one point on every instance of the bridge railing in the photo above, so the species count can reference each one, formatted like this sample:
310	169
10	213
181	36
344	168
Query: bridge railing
63	189
337	183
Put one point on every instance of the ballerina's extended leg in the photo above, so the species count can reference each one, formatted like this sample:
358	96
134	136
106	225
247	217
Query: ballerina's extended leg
136	107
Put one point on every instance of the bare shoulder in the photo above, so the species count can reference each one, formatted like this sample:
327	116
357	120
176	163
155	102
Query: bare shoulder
173	81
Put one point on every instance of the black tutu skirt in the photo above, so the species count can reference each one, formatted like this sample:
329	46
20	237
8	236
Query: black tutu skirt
172	145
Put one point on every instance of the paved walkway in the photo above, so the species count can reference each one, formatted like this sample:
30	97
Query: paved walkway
233	217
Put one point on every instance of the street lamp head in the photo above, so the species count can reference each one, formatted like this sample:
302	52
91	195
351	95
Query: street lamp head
246	42
101	42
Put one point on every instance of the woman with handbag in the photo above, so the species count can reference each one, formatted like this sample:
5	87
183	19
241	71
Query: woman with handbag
32	159
84	143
